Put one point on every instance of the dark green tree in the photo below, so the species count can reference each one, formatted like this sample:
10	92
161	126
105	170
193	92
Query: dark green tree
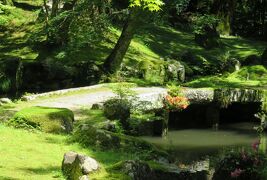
137	8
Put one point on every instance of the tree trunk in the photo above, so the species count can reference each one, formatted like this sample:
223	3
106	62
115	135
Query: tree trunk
46	12
114	60
225	10
55	4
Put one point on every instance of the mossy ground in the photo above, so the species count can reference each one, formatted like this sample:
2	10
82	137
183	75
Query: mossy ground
246	77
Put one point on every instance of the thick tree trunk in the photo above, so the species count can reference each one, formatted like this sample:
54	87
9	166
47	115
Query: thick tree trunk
225	10
114	60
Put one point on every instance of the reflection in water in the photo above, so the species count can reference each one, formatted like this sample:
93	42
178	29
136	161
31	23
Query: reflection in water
193	144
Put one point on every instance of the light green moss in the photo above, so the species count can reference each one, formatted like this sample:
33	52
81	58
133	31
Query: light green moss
51	120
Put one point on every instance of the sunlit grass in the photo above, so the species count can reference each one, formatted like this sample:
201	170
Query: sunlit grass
251	76
32	156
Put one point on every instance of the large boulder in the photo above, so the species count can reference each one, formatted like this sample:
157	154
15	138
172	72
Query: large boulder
175	71
47	119
140	170
93	137
78	166
137	170
153	72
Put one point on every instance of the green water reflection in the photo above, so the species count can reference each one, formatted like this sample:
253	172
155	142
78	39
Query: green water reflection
194	144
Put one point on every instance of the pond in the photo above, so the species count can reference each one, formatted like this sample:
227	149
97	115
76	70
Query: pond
195	144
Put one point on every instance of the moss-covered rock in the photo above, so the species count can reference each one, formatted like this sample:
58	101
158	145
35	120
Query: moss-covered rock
153	72
174	71
143	170
78	166
50	120
89	136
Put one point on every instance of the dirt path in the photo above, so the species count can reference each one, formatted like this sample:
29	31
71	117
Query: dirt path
95	94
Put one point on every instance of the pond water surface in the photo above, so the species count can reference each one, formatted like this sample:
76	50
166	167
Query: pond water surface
194	144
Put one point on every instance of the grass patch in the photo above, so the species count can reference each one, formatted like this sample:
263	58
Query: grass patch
31	156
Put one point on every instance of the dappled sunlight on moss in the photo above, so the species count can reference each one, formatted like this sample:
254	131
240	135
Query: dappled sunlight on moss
251	76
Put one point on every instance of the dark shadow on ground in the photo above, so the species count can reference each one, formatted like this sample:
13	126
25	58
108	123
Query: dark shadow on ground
42	170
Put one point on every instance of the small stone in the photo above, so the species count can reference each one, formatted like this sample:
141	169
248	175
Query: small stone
5	101
84	177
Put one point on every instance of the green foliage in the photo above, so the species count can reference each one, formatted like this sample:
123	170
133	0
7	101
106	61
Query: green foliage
11	16
123	90
202	21
174	90
5	11
49	120
117	109
81	27
241	165
151	5
5	84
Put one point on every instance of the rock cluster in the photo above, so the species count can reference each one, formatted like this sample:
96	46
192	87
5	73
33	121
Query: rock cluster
77	166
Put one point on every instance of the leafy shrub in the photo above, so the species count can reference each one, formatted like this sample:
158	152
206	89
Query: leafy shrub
175	100
123	90
203	21
249	165
117	109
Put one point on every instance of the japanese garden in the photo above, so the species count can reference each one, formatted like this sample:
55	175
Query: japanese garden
133	89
